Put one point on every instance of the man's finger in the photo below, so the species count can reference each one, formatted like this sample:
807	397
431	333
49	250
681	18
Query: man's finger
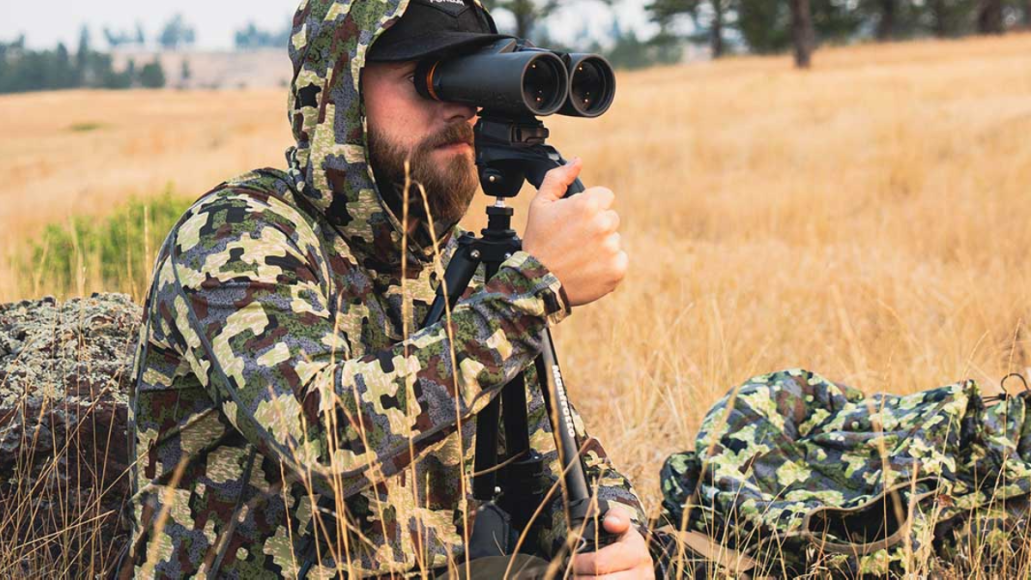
635	574
612	558
601	197
558	180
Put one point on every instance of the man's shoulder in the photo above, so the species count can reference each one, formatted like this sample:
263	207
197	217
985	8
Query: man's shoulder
259	205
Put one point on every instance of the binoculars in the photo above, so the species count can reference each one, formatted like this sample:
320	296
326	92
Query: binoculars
513	78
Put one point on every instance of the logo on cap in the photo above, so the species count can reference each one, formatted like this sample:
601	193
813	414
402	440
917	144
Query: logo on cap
452	8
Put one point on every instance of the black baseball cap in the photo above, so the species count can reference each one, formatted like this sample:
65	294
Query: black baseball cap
433	28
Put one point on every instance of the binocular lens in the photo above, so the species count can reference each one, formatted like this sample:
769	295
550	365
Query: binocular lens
543	85
592	86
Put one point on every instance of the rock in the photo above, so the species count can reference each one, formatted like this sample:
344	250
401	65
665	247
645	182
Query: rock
64	385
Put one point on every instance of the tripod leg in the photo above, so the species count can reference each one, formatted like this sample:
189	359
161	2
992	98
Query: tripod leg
517	430
485	479
523	473
583	518
460	271
550	376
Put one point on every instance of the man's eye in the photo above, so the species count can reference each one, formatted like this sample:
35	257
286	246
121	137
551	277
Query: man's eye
411	78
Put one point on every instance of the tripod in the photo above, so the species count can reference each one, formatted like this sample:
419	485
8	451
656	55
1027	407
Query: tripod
508	152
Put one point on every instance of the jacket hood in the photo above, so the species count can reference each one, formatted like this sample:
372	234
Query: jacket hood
329	165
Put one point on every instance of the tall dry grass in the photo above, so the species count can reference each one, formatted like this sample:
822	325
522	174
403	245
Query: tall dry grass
866	219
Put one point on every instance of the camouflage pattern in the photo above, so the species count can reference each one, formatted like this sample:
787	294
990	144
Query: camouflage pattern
809	475
290	416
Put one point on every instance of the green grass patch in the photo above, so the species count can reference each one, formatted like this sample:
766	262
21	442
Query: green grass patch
110	253
86	127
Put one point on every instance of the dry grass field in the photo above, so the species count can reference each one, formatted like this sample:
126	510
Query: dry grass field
867	219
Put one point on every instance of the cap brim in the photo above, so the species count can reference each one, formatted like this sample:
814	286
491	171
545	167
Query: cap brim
430	45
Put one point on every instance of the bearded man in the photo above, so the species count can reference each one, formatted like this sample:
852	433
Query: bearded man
290	417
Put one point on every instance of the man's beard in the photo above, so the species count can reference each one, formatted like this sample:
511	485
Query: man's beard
449	187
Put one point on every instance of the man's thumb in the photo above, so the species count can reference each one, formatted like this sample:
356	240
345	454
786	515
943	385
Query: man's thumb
616	521
558	180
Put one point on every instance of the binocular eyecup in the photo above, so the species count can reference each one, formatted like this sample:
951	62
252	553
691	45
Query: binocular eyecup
511	79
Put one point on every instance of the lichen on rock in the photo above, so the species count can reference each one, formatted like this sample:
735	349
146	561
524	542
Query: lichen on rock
64	385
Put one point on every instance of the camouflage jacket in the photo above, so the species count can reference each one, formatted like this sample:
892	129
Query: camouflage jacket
289	415
810	476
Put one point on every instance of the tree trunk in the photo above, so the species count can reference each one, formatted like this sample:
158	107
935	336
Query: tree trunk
802	32
524	18
716	38
523	25
886	25
989	17
939	15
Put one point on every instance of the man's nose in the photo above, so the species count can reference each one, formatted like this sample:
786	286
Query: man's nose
455	112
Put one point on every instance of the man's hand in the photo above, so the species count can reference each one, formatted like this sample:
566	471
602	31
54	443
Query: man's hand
576	238
626	559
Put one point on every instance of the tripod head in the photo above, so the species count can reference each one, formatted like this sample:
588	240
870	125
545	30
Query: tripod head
512	150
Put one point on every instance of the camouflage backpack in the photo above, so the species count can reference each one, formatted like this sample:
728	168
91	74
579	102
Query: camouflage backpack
807	476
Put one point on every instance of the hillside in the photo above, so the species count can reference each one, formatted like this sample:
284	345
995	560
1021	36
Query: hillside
257	69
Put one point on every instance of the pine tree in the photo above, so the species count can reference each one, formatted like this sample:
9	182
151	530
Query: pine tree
765	26
526	12
82	59
152	76
176	34
185	74
62	71
529	13
709	16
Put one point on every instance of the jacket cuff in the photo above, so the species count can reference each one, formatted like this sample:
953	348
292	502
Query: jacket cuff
545	286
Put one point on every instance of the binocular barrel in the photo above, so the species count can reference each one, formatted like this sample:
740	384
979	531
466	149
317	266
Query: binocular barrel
592	86
513	83
521	82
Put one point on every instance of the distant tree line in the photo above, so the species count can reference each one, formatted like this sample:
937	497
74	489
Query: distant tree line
177	34
173	35
771	26
766	26
251	37
755	26
119	38
629	51
23	69
625	49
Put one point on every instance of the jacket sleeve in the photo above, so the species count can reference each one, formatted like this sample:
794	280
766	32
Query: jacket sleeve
602	477
269	344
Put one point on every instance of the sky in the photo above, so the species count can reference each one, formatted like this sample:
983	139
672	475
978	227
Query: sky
45	23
